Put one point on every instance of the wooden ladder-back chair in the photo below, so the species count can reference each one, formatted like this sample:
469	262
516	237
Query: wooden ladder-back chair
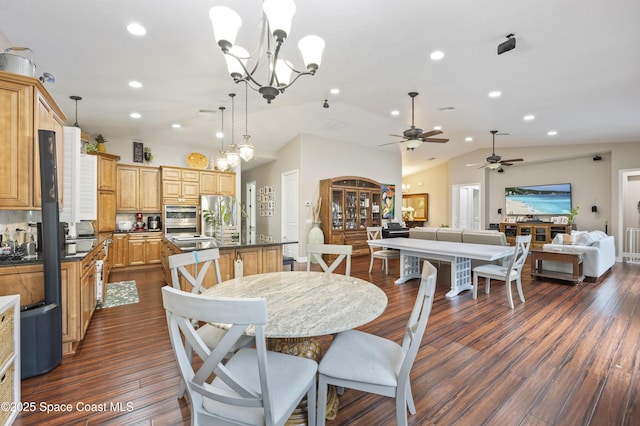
254	386
369	363
315	251
375	233
508	274
200	262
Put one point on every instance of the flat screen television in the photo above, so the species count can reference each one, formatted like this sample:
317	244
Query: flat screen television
539	199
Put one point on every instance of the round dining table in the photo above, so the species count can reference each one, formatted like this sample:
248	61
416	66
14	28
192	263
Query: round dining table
307	304
301	306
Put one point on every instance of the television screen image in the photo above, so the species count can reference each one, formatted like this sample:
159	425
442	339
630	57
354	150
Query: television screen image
538	199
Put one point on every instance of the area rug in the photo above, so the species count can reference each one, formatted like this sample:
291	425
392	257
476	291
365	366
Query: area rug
118	294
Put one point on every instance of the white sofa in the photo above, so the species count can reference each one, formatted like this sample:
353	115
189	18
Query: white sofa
491	237
599	253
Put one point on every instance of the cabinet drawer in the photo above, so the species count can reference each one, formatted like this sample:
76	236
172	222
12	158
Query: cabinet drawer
7	348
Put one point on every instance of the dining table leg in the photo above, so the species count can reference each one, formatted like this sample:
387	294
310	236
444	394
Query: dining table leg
306	347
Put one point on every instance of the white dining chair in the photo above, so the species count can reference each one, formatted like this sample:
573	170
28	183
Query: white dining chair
375	233
369	363
509	273
201	262
254	386
343	252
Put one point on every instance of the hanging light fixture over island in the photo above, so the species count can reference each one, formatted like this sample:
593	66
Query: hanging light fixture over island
276	25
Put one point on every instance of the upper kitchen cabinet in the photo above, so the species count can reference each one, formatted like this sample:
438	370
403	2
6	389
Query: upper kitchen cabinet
25	107
180	186
107	184
138	189
217	183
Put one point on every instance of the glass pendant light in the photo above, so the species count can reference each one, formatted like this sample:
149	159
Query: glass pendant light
246	148
233	158
221	159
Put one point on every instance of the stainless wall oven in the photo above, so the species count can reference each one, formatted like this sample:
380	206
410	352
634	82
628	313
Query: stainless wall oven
181	220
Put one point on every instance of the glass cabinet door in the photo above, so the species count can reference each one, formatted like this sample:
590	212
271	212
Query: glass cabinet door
351	209
336	210
375	209
365	207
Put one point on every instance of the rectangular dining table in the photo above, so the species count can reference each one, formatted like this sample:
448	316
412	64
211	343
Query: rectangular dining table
458	254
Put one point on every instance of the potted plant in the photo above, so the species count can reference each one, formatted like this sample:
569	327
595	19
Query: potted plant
148	156
100	141
574	213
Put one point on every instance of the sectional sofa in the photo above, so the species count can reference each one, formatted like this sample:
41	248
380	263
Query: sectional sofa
461	236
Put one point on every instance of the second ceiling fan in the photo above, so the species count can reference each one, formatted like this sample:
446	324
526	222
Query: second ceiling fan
414	136
495	161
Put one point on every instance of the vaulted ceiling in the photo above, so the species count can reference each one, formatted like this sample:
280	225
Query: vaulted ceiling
575	68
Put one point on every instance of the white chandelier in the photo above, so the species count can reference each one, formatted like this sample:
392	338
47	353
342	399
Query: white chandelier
276	25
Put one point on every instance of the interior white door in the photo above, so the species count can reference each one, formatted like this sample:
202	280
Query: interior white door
290	213
466	206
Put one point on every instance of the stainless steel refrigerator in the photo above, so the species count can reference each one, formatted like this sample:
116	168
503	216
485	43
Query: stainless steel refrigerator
220	219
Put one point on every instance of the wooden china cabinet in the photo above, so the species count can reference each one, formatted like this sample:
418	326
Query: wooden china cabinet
349	205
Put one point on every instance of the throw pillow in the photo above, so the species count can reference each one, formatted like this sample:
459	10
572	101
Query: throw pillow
598	235
585	239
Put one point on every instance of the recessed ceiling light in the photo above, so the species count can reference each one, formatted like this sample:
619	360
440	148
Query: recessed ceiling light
335	91
219	135
529	117
468	139
437	127
135	84
495	94
136	29
395	112
135	115
552	133
176	125
437	55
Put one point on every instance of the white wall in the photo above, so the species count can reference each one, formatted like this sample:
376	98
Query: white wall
559	164
319	158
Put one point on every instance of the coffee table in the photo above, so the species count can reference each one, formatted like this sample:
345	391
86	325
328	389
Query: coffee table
573	258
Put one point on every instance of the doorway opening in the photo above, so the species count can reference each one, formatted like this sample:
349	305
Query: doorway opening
465	209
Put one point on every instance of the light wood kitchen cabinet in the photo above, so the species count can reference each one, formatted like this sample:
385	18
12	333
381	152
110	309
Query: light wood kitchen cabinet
107	186
217	183
107	171
144	249
88	290
25	107
138	189
180	186
119	249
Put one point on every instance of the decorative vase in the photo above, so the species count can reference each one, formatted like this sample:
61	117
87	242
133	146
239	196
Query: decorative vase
100	147
316	236
147	156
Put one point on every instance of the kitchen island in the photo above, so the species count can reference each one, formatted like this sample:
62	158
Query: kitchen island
252	258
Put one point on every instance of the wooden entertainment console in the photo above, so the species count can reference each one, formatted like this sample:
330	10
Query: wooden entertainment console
541	232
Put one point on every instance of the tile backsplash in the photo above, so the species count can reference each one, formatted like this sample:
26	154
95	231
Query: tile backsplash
17	219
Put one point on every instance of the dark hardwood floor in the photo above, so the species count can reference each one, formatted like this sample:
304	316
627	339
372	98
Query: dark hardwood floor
570	355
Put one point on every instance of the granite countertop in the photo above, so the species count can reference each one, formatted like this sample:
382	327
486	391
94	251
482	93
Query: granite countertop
209	244
38	258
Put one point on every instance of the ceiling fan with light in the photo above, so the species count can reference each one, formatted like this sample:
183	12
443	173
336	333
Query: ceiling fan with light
495	161
414	136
